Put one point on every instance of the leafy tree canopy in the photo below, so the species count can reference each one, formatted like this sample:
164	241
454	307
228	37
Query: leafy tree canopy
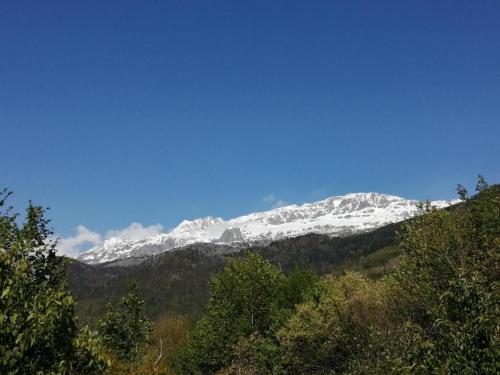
38	328
249	300
123	329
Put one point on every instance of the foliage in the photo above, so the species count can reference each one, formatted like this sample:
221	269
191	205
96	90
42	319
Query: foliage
123	329
253	355
425	305
322	254
247	304
298	286
374	265
169	334
436	314
38	328
326	334
449	276
178	281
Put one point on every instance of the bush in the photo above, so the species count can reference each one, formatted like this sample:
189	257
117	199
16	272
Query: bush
123	329
337	328
436	314
38	327
249	301
449	278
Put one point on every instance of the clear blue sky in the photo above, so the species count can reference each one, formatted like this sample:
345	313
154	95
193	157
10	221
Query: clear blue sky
155	111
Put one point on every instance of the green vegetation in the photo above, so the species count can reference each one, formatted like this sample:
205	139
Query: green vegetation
178	281
336	330
123	329
374	265
436	313
169	334
172	282
449	282
422	302
249	300
38	327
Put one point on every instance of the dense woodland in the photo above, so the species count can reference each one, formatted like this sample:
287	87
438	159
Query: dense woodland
419	297
178	281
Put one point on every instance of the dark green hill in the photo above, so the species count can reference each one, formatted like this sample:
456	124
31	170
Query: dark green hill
177	281
322	254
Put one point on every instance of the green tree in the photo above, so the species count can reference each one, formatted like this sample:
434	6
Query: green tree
123	329
38	327
298	286
336	329
436	314
243	302
449	281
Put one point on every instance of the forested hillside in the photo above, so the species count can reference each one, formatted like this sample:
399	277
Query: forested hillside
419	297
177	281
437	313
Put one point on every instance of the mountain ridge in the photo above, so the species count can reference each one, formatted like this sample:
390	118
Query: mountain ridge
334	216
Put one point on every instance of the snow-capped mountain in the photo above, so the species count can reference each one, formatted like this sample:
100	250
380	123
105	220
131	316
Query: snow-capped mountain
336	216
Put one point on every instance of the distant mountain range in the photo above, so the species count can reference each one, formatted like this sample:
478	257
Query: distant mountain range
335	216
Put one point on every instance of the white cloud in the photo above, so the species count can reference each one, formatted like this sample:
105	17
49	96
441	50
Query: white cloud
71	246
268	198
273	201
85	238
279	203
135	231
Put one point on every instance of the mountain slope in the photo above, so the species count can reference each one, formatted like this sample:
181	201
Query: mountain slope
177	281
335	216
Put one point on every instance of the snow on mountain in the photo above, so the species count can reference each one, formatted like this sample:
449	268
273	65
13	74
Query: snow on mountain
335	216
